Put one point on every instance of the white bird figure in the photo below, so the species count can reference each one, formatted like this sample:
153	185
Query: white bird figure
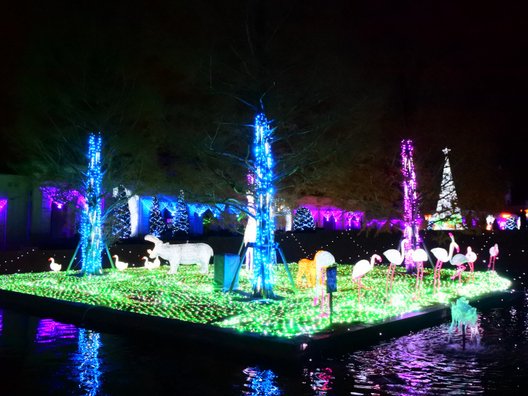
459	260
419	256
494	253
151	265
361	268
146	263
442	257
155	263
471	258
120	265
55	267
395	258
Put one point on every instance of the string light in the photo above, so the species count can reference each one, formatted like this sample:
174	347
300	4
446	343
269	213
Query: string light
264	252
189	296
91	222
411	216
447	215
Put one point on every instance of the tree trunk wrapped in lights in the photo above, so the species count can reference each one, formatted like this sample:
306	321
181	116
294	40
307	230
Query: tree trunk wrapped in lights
92	243
264	254
411	214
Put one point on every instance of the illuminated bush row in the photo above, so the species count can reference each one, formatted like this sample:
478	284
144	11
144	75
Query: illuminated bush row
189	296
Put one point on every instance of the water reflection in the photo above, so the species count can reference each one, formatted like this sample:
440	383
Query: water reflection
86	360
419	364
62	359
49	331
260	382
320	380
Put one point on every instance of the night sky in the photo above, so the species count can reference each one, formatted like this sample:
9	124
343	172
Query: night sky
456	73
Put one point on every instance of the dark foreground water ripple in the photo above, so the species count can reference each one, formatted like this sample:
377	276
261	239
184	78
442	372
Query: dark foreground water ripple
43	356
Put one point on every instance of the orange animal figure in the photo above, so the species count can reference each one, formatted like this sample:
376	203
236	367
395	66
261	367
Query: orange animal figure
306	274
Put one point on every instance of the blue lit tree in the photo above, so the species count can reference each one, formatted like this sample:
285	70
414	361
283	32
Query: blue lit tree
303	220
156	222
92	243
121	225
264	252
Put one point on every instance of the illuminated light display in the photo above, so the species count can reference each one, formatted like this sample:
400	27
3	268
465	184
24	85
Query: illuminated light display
53	265
490	219
60	197
303	220
395	258
48	331
411	216
188	296
494	255
447	215
442	256
156	223
250	232
87	362
264	250
180	220
120	265
122	222
261	382
464	317
181	253
361	268
92	243
3	203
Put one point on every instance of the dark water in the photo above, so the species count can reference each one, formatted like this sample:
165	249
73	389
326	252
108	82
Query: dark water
42	356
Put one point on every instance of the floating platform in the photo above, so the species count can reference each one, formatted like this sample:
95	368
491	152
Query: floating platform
185	307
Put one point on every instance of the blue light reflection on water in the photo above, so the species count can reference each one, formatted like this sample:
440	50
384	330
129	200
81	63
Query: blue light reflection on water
87	361
71	360
261	382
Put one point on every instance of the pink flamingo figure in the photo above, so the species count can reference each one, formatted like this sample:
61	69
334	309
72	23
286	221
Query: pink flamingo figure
459	260
419	256
361	268
494	253
395	258
442	257
471	258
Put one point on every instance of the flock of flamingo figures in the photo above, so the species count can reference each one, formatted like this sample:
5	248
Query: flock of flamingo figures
419	257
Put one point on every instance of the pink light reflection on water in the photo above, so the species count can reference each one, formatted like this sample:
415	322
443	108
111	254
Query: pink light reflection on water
49	330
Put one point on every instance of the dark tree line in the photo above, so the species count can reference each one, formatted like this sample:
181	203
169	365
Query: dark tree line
174	88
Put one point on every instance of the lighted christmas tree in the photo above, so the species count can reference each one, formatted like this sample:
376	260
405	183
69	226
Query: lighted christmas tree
511	224
121	225
447	215
156	223
92	243
303	220
180	221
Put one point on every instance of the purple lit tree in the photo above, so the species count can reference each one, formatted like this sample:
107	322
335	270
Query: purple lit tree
410	201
